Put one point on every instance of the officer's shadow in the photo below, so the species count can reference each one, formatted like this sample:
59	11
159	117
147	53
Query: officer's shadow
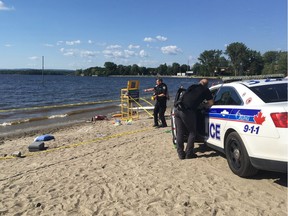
209	152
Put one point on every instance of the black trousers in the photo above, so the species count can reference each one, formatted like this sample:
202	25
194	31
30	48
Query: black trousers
185	122
159	109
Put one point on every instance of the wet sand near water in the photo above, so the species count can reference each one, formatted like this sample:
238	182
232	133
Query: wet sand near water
47	125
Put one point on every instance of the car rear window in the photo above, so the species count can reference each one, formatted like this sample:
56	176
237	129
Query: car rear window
271	93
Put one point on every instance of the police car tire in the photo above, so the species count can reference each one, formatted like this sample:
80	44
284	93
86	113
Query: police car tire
237	156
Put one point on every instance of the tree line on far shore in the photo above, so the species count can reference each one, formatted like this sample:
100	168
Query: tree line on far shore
236	60
28	71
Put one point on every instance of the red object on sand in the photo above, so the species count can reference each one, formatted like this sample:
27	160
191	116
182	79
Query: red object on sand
99	117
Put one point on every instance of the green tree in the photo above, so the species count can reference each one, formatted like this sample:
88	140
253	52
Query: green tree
255	64
143	71
162	69
170	70
151	71
121	70
110	68
238	55
184	68
270	57
282	63
275	62
78	72
241	61
210	60
135	69
176	68
128	69
223	68
198	69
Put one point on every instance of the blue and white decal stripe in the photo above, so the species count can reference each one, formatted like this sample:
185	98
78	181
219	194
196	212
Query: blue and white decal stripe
243	115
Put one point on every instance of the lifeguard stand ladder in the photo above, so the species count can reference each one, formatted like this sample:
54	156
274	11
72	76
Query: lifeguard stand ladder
128	97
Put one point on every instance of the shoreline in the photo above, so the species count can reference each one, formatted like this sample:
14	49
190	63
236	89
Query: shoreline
47	125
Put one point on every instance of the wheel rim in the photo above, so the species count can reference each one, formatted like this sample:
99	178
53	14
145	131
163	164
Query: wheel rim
235	154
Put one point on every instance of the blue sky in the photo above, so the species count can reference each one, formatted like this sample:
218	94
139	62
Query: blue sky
78	34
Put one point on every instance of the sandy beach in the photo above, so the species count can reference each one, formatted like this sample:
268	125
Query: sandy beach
99	168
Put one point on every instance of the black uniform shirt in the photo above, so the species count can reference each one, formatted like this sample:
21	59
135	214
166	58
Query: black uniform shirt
161	89
195	95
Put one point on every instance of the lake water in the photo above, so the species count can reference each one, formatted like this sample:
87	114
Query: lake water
26	98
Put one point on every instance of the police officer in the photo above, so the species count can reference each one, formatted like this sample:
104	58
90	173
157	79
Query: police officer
161	96
186	118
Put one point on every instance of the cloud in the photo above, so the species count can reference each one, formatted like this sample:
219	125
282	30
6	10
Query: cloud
8	45
170	50
147	63
3	7
119	54
59	43
143	53
68	43
129	53
77	52
149	39
68	52
71	43
113	47
87	53
112	53
133	46
161	38
157	38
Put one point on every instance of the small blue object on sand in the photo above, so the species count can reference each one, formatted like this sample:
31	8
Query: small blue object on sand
45	137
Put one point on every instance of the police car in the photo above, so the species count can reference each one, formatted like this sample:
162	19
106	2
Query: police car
248	123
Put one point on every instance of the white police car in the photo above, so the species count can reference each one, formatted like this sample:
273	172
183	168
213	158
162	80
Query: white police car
248	123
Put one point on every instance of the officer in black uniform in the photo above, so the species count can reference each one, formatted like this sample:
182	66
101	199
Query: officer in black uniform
186	118
161	96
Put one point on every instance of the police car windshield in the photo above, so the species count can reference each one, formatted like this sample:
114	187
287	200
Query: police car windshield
271	93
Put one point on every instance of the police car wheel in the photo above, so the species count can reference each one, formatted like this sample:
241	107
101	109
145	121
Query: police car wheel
173	127
237	156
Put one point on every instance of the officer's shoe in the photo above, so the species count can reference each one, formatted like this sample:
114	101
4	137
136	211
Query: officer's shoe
190	156
162	126
155	125
181	156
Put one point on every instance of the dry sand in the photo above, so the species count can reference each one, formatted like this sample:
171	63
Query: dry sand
102	169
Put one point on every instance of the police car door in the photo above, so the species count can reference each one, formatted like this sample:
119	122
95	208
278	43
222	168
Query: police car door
225	101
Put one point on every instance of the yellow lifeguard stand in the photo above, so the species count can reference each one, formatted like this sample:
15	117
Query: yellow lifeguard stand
128	97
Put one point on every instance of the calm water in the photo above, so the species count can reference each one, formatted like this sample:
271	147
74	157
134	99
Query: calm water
27	98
